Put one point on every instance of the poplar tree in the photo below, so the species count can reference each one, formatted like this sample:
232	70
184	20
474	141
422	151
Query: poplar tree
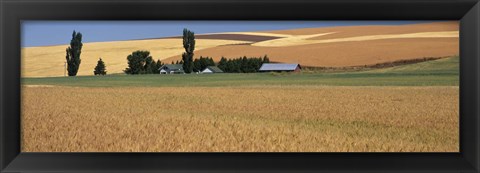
189	45
73	54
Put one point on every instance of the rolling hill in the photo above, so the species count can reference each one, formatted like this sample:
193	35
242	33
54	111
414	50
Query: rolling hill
316	47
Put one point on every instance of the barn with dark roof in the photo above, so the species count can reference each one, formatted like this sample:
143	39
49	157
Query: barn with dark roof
280	67
171	69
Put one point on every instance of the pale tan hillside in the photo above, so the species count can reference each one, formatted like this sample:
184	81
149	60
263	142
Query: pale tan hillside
298	40
353	31
49	60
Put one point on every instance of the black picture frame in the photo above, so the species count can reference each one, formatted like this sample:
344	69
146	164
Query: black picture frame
14	11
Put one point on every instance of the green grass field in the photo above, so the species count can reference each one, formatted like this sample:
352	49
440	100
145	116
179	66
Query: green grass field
442	72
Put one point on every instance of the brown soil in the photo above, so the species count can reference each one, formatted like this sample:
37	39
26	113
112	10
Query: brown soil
373	66
341	54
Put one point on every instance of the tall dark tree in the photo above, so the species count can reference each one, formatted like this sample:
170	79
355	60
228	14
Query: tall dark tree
139	62
73	54
149	65
100	69
197	65
265	59
222	64
156	66
189	45
210	62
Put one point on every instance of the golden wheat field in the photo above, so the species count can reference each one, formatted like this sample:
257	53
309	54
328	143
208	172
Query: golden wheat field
259	119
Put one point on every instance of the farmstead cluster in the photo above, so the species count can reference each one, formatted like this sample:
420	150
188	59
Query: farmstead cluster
141	62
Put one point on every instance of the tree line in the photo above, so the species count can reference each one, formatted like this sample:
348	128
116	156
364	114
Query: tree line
140	61
202	63
242	64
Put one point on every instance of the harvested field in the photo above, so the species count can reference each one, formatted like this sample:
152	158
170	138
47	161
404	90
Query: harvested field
261	33
301	118
304	39
355	31
341	54
370	67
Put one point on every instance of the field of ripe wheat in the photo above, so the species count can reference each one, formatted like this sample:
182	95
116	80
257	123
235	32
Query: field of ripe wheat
240	119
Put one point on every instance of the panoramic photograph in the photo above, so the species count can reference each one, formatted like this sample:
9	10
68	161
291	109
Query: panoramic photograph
239	86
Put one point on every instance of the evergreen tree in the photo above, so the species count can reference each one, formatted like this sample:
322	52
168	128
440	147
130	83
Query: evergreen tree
222	64
157	67
237	65
230	66
211	62
244	65
240	65
189	45
100	69
202	63
73	54
265	59
197	67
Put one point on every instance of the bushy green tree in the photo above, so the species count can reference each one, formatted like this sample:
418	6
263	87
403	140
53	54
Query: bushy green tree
140	62
151	66
189	45
100	69
73	54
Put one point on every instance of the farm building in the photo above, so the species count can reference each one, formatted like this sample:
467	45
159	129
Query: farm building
279	67
212	69
172	69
